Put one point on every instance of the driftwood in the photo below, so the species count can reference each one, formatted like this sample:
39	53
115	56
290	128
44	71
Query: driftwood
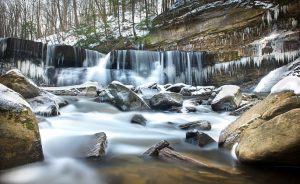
163	151
172	156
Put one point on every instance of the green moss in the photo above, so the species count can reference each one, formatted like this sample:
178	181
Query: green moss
29	125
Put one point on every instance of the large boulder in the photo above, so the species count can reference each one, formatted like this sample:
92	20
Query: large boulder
274	141
16	81
269	108
229	98
268	132
20	141
166	100
124	98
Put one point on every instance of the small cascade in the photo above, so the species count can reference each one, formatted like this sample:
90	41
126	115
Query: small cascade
92	58
183	67
99	73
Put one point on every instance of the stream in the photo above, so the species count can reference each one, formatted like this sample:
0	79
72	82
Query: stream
64	137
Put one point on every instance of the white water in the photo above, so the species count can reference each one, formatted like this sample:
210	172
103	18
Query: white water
64	137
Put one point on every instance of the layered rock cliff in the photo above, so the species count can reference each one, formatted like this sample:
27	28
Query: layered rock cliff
246	34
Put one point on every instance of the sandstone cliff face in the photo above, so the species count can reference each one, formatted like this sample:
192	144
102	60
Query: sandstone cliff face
240	36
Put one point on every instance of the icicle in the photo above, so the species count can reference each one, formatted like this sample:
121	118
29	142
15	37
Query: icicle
294	23
276	11
269	17
3	46
284	9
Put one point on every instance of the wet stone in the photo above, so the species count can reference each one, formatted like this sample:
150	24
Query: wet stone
139	119
198	138
98	149
199	125
154	150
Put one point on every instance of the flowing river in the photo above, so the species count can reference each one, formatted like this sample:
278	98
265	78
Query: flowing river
65	136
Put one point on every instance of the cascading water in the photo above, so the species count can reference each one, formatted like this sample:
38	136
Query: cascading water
61	65
138	67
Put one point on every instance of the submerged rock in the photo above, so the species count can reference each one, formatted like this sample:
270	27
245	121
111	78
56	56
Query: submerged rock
19	133
166	100
229	98
198	138
138	119
124	98
98	148
199	125
16	81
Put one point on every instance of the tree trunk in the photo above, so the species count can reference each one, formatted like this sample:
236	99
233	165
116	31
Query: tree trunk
133	13
75	14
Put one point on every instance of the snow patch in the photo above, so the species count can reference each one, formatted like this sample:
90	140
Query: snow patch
270	80
81	86
226	91
289	83
267	82
11	100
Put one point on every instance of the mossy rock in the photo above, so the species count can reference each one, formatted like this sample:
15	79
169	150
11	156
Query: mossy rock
16	81
20	141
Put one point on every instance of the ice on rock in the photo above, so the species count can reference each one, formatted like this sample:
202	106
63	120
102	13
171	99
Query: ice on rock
289	83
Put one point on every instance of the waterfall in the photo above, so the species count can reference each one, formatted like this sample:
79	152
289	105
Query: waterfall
60	65
67	65
137	67
92	58
99	72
